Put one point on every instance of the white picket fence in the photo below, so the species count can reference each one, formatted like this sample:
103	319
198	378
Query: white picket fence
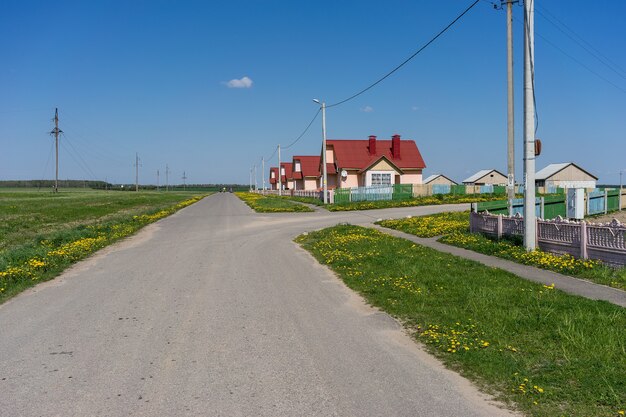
602	241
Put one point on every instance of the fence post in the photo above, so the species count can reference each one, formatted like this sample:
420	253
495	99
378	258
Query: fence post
499	231
542	207
588	203
606	200
583	240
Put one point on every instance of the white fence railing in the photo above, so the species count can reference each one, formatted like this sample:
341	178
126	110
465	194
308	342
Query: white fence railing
604	242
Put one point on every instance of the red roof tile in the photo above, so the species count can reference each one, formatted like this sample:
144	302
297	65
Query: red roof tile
309	165
354	154
288	171
275	171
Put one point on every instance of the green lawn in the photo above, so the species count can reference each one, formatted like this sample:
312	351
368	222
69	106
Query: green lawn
534	347
455	230
42	233
411	202
271	204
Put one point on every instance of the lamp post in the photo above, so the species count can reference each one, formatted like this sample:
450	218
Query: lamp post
324	173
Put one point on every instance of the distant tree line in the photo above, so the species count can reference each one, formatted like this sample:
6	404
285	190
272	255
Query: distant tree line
102	185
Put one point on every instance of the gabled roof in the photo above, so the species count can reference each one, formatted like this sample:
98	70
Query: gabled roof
375	161
288	171
481	174
309	166
435	176
552	169
275	171
354	154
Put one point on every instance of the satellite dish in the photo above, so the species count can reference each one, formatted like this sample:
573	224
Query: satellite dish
344	173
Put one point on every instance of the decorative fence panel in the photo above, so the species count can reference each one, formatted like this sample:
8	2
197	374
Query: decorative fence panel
604	242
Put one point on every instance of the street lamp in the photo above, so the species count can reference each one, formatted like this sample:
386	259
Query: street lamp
324	173
620	188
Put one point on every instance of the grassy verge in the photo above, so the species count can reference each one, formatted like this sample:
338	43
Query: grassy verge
307	200
271	204
455	228
419	201
45	233
543	351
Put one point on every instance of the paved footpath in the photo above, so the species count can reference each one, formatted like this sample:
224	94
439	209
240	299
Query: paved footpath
215	311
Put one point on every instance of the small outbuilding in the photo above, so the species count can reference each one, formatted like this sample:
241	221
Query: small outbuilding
486	177
439	179
565	175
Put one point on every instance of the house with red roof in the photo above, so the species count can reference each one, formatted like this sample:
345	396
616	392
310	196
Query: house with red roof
306	172
358	163
286	175
273	178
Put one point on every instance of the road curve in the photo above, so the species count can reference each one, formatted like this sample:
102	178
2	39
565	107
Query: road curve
214	311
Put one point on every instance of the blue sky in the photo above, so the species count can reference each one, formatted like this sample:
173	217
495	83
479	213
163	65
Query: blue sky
152	77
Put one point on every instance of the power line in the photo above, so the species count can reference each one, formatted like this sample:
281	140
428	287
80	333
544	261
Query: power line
305	130
408	59
588	47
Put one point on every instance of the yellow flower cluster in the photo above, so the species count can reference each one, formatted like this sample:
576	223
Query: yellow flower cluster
70	252
524	387
430	226
259	203
452	339
399	283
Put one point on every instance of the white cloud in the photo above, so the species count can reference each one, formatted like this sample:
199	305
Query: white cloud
243	82
367	109
415	108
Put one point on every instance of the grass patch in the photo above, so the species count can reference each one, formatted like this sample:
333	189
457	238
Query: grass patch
307	200
271	204
546	352
412	202
455	228
44	233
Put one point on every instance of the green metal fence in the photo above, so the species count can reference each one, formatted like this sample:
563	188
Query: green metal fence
613	200
402	191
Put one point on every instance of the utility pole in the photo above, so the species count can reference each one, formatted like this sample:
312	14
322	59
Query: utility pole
510	113
136	171
184	181
263	171
256	188
167	177
56	132
157	180
324	169
280	181
530	223
620	190
250	180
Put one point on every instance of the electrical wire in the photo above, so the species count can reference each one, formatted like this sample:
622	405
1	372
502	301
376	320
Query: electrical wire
47	161
83	165
305	130
588	47
433	39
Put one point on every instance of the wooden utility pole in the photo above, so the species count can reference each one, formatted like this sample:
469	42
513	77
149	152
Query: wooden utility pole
167	177
56	132
184	181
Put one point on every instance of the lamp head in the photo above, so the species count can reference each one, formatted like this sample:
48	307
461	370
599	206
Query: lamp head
317	101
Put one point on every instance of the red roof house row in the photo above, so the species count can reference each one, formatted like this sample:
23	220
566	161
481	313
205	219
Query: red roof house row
355	163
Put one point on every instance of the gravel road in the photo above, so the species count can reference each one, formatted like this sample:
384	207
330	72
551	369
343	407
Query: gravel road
214	311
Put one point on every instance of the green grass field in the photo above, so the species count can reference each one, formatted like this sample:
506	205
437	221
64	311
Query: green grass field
455	230
271	204
42	233
544	352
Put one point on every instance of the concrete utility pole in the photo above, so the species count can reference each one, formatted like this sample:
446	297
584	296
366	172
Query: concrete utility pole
184	181
157	180
167	177
280	181
256	188
56	132
620	189
263	171
136	171
324	169
510	113
250	180
530	222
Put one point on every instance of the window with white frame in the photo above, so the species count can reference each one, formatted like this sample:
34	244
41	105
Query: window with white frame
297	168
380	178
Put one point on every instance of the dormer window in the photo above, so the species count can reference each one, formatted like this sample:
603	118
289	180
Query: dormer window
297	168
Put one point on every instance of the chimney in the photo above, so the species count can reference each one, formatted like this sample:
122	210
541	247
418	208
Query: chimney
372	146
395	146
